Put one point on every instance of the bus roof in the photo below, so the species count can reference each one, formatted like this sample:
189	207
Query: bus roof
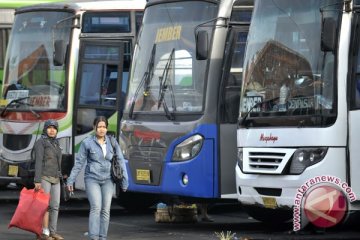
80	5
16	4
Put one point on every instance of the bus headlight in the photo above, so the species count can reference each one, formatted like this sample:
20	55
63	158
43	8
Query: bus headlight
240	158
188	148
306	157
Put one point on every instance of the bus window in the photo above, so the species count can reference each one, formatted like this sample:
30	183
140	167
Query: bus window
241	15
98	84
117	22
4	38
97	90
181	64
357	82
30	62
138	20
231	97
101	53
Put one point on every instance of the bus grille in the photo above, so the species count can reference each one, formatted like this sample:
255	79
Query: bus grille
16	142
146	154
270	161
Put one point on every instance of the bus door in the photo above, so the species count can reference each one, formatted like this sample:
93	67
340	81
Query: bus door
229	107
354	114
100	90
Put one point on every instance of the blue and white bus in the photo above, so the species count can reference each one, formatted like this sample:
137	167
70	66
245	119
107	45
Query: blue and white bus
178	132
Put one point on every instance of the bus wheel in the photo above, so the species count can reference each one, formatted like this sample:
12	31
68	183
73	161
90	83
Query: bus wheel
269	216
136	202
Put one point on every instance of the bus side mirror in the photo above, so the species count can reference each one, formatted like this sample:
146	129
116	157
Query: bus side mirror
59	53
202	48
328	35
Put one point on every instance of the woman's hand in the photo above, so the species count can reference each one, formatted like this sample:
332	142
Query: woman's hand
37	186
70	188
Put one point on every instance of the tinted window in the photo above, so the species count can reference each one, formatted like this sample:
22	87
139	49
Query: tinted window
117	22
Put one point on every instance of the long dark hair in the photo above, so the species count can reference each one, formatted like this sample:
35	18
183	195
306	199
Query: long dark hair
100	119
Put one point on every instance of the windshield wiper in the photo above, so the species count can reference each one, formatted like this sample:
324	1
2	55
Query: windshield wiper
243	120
146	79
166	84
18	101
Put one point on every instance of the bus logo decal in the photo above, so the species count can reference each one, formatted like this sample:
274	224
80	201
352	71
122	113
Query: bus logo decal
269	138
147	135
168	34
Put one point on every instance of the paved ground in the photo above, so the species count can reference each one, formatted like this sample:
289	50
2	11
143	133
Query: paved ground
73	222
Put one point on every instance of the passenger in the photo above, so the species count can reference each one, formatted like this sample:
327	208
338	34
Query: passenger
47	152
97	152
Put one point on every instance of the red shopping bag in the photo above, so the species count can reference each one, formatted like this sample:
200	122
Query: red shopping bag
30	211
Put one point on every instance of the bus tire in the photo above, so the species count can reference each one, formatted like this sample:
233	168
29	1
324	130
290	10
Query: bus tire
267	215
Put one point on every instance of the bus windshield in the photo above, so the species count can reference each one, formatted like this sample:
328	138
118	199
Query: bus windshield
166	75
30	71
288	78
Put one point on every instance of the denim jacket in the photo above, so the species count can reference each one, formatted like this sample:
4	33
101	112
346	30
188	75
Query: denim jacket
97	166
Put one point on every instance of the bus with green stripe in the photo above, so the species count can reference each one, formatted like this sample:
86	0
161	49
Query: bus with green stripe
7	10
67	61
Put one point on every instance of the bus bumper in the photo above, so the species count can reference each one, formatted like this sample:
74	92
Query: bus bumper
281	191
250	191
192	178
20	173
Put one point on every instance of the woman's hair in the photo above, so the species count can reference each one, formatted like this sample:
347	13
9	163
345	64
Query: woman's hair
100	119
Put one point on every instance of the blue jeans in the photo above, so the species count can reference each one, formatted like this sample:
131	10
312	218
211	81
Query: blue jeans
99	194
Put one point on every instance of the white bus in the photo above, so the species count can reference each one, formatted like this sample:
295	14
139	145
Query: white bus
66	61
300	102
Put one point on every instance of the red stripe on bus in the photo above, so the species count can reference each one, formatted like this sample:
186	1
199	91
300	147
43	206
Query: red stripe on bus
28	116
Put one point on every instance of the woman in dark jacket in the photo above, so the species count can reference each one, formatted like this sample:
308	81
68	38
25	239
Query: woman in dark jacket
47	171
